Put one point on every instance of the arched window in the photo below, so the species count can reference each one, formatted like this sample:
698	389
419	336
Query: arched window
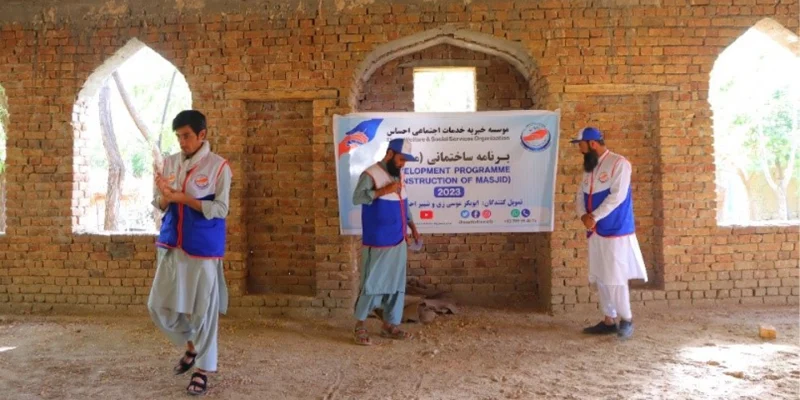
122	122
754	94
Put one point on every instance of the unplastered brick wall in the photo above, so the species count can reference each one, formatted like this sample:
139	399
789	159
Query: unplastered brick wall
279	199
498	85
233	54
628	124
473	267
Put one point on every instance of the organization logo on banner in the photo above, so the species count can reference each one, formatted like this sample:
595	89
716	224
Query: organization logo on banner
362	134
535	137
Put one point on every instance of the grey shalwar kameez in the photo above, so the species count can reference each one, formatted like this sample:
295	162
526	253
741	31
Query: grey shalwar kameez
383	270
189	293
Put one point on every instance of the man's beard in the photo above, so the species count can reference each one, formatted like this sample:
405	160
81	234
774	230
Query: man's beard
392	169
590	160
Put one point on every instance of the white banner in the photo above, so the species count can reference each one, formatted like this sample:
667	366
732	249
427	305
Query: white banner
477	172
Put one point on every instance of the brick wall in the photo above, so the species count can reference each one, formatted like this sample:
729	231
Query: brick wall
627	121
599	63
476	267
3	122
279	198
498	85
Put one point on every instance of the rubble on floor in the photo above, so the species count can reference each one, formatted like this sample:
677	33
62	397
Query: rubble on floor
424	303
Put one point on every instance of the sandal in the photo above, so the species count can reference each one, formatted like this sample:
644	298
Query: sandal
394	332
202	386
361	336
183	366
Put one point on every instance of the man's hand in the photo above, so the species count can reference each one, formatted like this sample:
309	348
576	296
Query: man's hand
415	233
163	185
393	187
588	221
173	196
170	195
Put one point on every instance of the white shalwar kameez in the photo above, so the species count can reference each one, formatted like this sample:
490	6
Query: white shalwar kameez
189	293
613	261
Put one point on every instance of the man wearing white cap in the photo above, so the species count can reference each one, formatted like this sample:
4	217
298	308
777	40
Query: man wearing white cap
385	219
604	204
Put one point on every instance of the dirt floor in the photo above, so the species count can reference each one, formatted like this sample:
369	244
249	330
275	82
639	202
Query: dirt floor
478	354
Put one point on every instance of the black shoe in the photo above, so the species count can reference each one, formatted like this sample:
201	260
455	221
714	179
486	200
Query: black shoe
625	329
601	329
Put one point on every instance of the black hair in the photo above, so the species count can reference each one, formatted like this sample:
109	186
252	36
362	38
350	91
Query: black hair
195	119
601	142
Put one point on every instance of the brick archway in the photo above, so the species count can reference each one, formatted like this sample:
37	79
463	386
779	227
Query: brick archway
512	52
747	196
518	274
82	119
779	34
96	79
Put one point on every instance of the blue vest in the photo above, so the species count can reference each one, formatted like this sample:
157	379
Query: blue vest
183	227
384	222
620	222
597	187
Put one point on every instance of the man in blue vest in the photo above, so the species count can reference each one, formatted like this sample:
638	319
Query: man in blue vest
604	203
385	220
189	290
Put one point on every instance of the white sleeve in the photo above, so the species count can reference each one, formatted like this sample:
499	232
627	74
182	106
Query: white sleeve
620	182
218	208
157	199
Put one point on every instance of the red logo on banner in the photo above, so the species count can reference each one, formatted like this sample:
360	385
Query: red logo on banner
426	214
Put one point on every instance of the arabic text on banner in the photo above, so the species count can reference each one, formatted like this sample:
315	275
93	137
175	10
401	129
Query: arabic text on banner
477	172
